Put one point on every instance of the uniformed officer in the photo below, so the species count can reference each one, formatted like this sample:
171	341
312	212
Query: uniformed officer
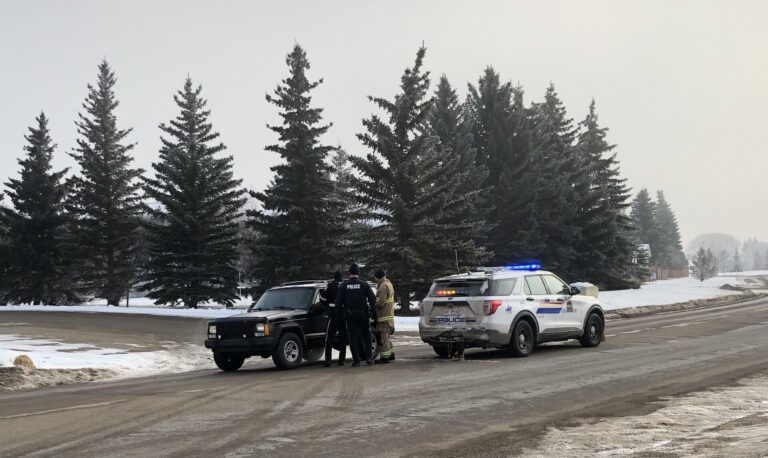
358	300
337	321
385	309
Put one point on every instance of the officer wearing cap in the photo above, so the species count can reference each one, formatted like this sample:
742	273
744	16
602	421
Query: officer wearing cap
357	298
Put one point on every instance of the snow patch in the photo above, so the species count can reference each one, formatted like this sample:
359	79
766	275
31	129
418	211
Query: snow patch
665	292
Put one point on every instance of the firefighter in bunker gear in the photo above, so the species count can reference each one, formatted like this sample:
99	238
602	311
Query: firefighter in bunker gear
337	321
357	298
385	308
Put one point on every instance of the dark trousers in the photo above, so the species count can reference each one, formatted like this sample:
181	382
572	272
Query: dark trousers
359	336
337	325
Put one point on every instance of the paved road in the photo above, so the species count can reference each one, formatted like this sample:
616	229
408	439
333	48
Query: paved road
488	404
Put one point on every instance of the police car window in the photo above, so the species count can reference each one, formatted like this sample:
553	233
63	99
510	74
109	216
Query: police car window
464	288
534	285
554	284
503	287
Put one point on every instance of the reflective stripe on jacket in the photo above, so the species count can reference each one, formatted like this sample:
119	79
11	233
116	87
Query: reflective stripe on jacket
385	301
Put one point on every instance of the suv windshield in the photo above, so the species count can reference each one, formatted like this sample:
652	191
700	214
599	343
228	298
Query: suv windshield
459	288
285	299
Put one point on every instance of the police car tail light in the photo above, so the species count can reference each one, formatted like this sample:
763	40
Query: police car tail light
490	307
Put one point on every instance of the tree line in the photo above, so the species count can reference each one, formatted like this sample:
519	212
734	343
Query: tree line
444	185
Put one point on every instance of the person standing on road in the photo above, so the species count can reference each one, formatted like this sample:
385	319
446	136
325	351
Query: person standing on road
358	300
337	321
385	309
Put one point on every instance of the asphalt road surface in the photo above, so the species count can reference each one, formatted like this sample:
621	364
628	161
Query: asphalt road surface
488	405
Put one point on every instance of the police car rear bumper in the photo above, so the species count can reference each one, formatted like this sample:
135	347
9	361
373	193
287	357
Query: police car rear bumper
470	337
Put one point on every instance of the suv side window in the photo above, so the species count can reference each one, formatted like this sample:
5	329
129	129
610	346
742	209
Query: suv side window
503	287
555	285
534	285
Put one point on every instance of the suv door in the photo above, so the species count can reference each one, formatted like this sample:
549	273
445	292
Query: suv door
570	315
537	296
317	324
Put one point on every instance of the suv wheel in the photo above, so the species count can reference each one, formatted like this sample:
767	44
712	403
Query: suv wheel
228	362
522	341
593	331
289	352
443	351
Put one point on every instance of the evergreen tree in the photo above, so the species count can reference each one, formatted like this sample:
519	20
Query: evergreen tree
557	171
457	158
501	137
724	262
37	270
643	215
757	261
105	204
704	265
765	261
668	251
605	247
343	198
193	233
737	265
299	222
400	186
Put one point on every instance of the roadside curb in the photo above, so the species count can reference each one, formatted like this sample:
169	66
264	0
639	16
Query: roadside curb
635	312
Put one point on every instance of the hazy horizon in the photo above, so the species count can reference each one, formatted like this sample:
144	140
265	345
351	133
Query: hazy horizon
681	86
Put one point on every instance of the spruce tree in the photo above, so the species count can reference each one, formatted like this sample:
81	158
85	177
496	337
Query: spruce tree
643	215
669	249
501	137
458	160
37	268
605	247
399	183
105	203
556	171
299	221
737	265
704	265
193	232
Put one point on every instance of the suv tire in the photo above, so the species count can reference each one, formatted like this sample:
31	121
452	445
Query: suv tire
228	362
443	351
593	331
522	340
289	351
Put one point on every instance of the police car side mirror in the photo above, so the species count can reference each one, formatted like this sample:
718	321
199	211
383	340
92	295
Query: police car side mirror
575	291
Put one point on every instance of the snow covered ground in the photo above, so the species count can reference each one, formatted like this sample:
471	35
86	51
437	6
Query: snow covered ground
673	291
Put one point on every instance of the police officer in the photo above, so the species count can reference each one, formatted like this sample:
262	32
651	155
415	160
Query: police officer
385	309
337	321
358	300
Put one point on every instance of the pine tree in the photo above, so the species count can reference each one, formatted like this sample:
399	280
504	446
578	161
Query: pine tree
668	251
343	198
400	186
605	248
757	261
704	265
737	265
193	233
37	270
299	222
458	160
501	136
556	170
724	262
105	204
643	215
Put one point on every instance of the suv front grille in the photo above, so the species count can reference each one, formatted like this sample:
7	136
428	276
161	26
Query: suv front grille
238	330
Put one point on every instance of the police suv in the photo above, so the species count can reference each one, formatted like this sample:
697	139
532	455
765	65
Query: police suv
512	307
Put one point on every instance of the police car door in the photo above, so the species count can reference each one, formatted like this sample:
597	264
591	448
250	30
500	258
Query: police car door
536	296
569	318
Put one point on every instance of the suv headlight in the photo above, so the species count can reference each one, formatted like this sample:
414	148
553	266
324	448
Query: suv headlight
212	331
262	329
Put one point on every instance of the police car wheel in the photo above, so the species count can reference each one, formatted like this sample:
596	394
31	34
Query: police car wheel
593	331
228	362
374	346
289	352
522	341
442	351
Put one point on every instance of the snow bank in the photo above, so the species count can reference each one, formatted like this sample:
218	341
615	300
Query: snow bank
143	310
54	354
665	292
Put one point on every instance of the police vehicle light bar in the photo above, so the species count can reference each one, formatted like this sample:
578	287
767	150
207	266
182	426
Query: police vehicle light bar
530	266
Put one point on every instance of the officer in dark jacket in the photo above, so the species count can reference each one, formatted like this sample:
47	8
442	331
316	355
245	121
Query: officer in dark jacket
357	298
337	321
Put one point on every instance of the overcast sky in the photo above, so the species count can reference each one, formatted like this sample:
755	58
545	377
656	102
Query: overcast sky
683	86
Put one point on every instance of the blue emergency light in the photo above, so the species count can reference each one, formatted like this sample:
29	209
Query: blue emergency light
530	266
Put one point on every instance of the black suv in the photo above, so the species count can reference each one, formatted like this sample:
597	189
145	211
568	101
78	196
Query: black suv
288	323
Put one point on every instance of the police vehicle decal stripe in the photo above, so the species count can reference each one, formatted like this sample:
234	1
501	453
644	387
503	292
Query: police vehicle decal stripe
544	310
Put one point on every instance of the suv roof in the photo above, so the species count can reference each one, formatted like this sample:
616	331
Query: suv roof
492	274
